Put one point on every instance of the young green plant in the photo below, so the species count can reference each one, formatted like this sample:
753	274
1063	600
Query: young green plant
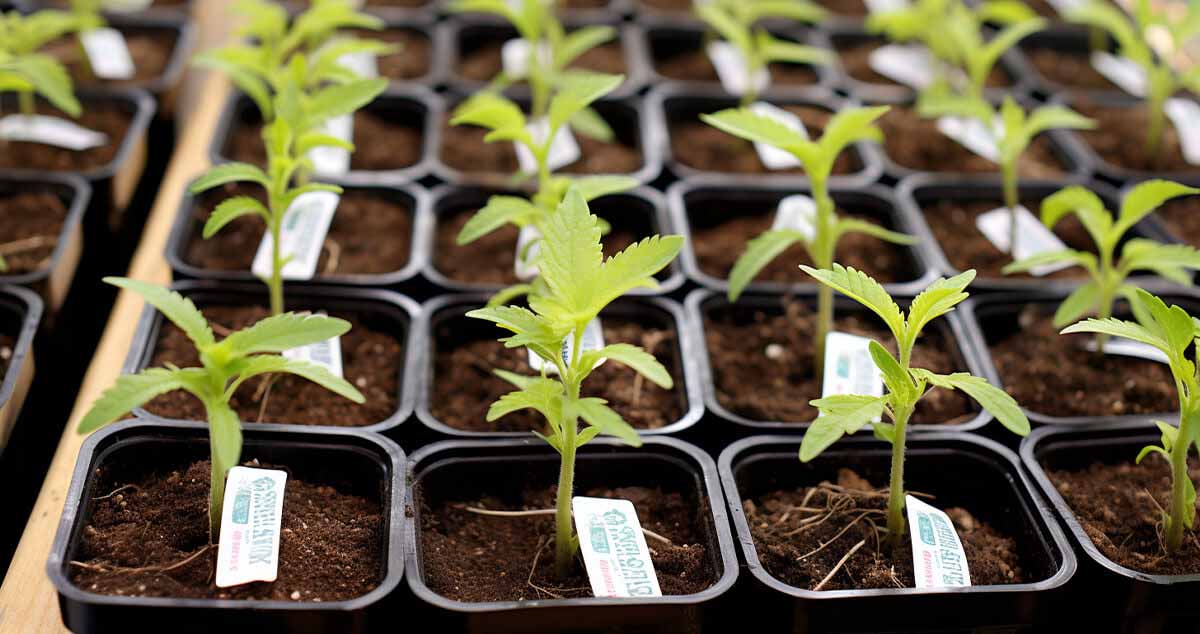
818	158
906	385
224	366
579	283
1107	273
27	72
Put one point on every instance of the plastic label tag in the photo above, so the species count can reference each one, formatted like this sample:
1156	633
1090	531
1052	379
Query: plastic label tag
362	64
528	245
972	134
592	339
774	158
50	131
327	354
250	520
332	161
515	55
884	6
614	548
909	64
107	53
302	236
938	557
849	368
1122	71
564	150
1128	348
730	65
796	213
1185	116
127	6
1063	7
1033	237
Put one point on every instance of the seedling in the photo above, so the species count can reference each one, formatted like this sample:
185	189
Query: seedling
817	158
225	366
1175	262
26	71
1172	331
579	282
906	385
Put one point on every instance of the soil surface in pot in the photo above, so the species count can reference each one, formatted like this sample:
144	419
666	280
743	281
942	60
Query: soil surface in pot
471	557
1072	69
700	146
682	6
1055	375
694	65
801	551
30	225
1120	507
916	143
150	49
854	8
762	363
464	149
465	383
382	142
411	61
719	246
1182	218
108	118
483	63
856	61
149	538
1120	139
371	361
370	234
953	224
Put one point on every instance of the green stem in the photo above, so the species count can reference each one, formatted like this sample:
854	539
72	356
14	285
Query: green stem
26	103
564	550
1107	294
1009	171
1179	479
895	516
822	253
275	284
1154	131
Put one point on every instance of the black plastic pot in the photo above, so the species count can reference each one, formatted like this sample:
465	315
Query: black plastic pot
672	102
697	204
188	228
391	311
20	315
53	281
369	463
1109	596
453	308
452	468
1066	41
427	28
960	470
702	303
641	211
414	105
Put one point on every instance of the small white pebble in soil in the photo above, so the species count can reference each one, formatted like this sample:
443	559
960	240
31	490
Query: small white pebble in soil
774	351
361	382
295	595
6	353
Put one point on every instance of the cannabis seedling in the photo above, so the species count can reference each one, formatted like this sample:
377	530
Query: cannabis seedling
579	283
1175	262
26	71
817	158
906	385
225	366
1172	331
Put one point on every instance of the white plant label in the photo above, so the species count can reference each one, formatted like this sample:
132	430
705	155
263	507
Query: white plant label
796	213
1185	116
564	150
909	64
1063	7
332	161
972	134
614	548
592	339
107	53
1122	71
849	368
302	236
529	243
772	157
938	557
1033	237
126	6
327	354
730	65
50	131
884	6
516	53
362	64
250	520
1128	348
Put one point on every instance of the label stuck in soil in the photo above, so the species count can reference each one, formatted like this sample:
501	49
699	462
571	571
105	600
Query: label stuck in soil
909	64
730	65
529	244
1033	237
849	368
772	157
362	64
332	161
107	53
564	150
1063	7
127	6
1122	71
796	213
1123	347
250	520
302	237
327	354
883	6
592	339
972	134
938	557
515	54
614	548
1185	116
50	131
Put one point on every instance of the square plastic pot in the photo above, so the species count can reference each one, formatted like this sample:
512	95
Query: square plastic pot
484	467
1065	40
372	463
165	87
20	315
960	470
53	281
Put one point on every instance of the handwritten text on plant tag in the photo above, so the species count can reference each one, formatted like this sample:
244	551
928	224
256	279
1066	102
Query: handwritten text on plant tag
849	368
332	161
909	64
591	339
302	236
796	213
938	557
50	131
107	53
1033	237
1185	116
614	549
772	157
730	65
972	134
564	150
250	520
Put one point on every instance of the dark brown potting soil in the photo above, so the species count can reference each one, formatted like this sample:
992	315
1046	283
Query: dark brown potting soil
1120	507
463	148
916	143
698	145
483	63
681	6
1072	69
801	551
30	225
856	61
465	383
371	361
1055	375
854	8
370	234
412	60
150	50
1120	138
1182	218
585	4
149	538
101	117
694	65
381	142
471	557
762	363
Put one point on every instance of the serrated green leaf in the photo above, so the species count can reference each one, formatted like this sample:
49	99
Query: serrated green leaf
590	124
178	309
633	357
863	289
250	367
530	330
634	267
230	209
229	173
895	377
840	415
855	225
499	211
996	401
577	93
543	395
580	41
749	125
286	331
936	300
602	417
1117	328
128	393
1081	301
1146	197
760	251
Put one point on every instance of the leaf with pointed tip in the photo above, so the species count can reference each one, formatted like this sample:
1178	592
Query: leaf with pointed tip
760	251
840	415
1081	301
1172	261
634	267
749	125
602	417
1067	256
499	211
580	41
250	367
543	395
286	331
863	289
175	307
577	93
994	400
1146	197
936	300
593	187
530	330
633	357
130	392
897	379
230	209
1118	328
571	258
590	124
855	225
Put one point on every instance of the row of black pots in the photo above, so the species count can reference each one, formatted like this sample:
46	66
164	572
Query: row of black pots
20	316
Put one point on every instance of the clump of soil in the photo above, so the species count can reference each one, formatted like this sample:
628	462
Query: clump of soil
30	225
1120	138
799	537
856	61
382	142
1183	218
149	538
471	557
1120	507
483	63
1070	68
916	143
150	49
694	65
703	147
854	8
762	363
104	117
464	149
371	361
